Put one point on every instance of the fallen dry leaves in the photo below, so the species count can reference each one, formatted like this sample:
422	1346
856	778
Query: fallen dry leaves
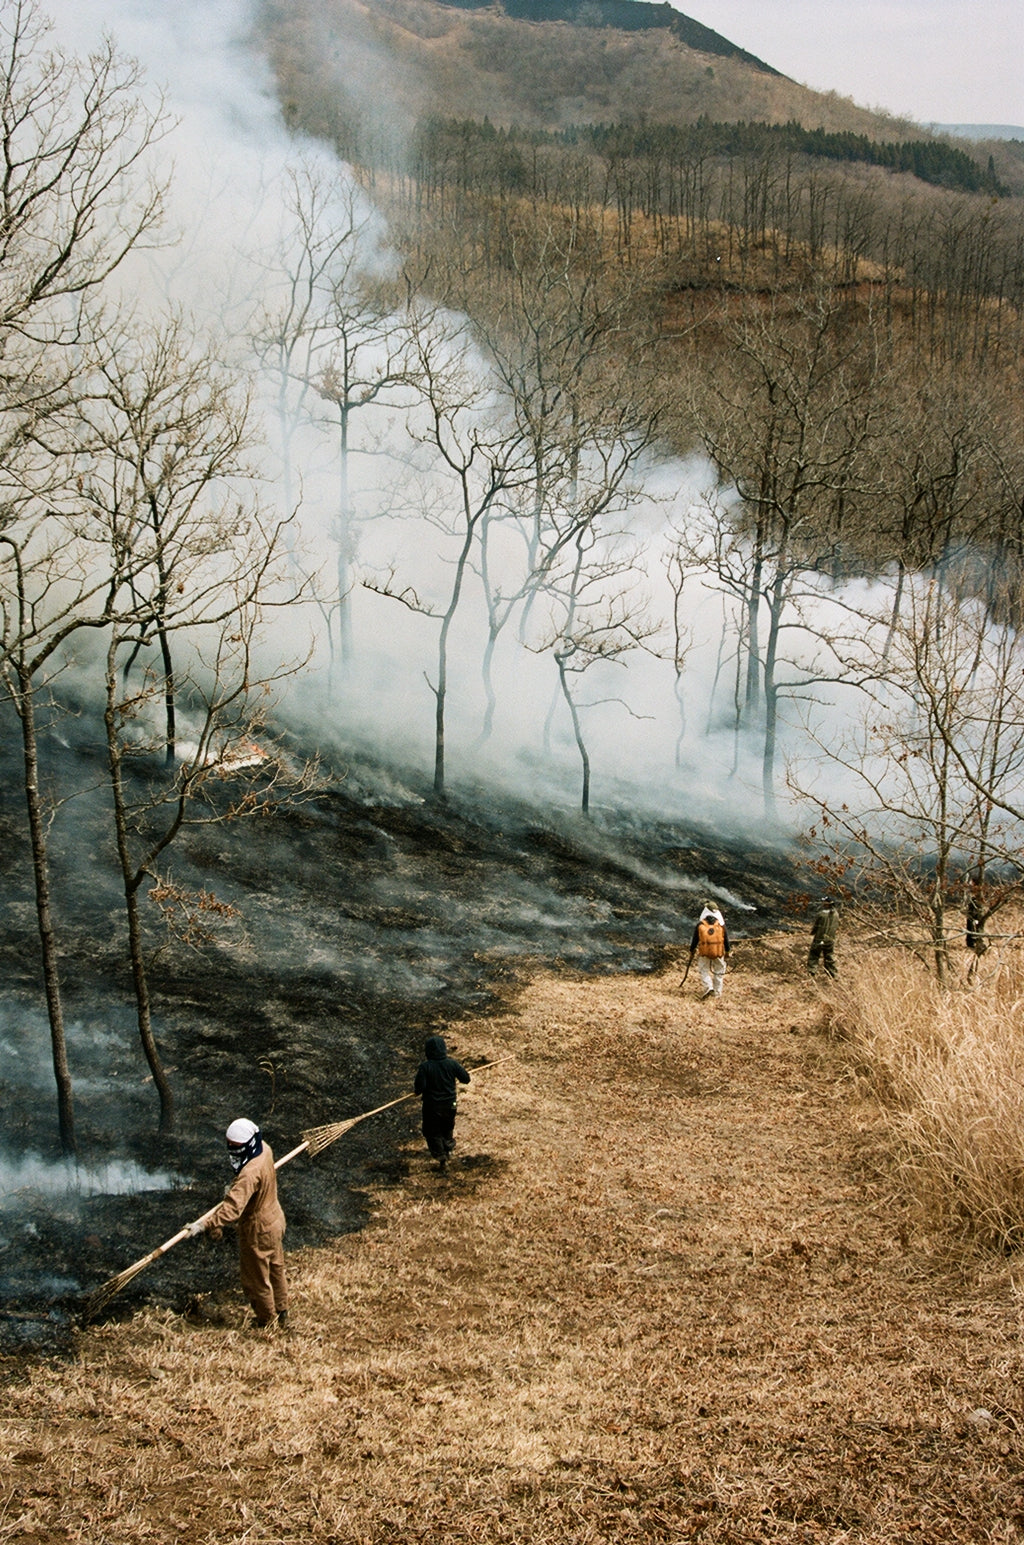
666	1294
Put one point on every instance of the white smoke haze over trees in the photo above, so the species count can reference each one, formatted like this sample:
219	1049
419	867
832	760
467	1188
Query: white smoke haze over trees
250	213
272	246
250	443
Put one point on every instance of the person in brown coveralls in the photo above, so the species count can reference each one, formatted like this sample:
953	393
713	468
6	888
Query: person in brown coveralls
251	1202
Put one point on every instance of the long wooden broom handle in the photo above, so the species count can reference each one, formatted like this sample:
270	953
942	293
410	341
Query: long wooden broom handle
184	1233
495	1064
351	1121
176	1239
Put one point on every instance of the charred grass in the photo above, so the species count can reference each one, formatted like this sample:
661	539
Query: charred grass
357	922
668	1292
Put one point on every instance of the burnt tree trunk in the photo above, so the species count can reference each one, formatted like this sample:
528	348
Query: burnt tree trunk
132	878
25	705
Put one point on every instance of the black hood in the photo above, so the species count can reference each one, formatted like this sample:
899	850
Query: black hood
436	1048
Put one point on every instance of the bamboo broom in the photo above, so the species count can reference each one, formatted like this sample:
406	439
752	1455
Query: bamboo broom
319	1138
314	1141
101	1297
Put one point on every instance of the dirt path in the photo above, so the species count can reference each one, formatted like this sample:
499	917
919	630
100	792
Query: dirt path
663	1296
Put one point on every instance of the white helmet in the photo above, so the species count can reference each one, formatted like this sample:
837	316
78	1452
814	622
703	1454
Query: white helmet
241	1132
244	1143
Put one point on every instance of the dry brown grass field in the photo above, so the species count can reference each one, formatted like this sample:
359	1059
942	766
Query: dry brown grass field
668	1292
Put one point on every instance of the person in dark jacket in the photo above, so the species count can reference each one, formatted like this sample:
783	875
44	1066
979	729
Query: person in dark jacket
974	937
824	932
435	1082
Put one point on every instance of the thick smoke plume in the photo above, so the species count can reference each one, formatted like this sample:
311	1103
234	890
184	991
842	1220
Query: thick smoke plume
232	172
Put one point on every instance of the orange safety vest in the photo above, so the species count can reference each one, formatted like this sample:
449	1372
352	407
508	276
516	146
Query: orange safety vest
710	938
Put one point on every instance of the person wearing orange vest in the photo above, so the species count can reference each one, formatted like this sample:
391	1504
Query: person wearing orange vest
710	944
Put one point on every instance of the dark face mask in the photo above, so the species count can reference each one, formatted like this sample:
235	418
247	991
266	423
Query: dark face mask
238	1157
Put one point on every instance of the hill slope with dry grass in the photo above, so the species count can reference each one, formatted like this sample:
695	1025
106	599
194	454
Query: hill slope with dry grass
666	1294
393	62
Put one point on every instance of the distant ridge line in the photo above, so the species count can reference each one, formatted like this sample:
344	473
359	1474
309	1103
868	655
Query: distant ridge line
626	15
979	131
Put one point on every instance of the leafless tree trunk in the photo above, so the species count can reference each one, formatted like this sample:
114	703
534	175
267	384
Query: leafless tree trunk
22	690
231	749
74	201
473	455
336	337
599	616
132	878
682	641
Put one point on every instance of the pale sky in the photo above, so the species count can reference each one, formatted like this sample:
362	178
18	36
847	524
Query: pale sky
936	61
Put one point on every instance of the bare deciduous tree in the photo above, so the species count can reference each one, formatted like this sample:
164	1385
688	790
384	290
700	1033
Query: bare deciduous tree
74	201
162	428
166	478
231	767
930	780
333	342
598	614
787	413
472	456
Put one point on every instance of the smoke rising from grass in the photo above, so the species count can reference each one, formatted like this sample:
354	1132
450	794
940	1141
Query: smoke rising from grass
228	158
27	1178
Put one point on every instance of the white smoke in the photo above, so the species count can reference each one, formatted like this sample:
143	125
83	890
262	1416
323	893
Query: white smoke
29	1177
224	152
228	160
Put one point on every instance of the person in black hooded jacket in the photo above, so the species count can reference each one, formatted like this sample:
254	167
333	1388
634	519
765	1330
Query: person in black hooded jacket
435	1082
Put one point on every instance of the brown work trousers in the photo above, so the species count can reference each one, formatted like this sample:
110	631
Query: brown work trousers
261	1263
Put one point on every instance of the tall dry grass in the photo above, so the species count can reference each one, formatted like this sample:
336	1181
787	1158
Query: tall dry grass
948	1066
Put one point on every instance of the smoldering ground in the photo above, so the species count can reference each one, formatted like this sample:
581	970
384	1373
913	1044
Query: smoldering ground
367	917
361	918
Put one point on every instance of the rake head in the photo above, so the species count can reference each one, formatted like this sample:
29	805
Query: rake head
319	1138
101	1296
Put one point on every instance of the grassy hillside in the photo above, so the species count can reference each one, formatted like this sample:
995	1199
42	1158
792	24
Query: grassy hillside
627	15
402	60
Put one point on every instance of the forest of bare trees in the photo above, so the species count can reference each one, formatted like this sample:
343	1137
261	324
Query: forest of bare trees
463	379
135	558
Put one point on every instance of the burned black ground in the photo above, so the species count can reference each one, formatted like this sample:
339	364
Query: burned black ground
367	916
